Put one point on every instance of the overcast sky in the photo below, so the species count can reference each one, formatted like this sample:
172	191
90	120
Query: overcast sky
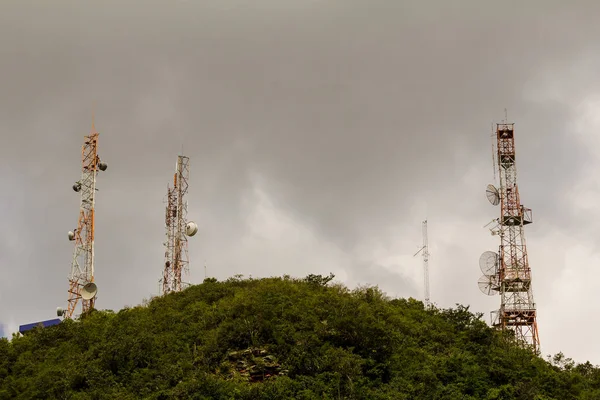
320	135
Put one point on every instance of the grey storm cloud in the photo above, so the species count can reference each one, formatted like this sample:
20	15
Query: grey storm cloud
358	119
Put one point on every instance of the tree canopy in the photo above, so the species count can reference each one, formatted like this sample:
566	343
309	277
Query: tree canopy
282	338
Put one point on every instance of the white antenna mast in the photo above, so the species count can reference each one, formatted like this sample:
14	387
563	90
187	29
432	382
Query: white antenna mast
493	137
425	250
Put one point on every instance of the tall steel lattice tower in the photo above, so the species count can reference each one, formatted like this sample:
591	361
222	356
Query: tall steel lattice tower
177	230
425	252
81	278
507	272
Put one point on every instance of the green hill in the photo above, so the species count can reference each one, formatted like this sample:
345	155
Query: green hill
282	338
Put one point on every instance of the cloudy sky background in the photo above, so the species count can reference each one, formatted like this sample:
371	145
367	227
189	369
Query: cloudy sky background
321	134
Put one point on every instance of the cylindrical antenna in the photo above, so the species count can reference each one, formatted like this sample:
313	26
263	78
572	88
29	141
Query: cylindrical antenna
493	139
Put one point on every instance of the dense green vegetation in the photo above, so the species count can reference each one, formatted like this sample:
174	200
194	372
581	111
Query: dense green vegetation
308	339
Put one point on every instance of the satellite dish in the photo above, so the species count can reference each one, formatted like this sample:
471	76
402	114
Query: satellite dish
71	235
492	195
89	291
102	166
488	284
60	312
77	187
488	262
191	228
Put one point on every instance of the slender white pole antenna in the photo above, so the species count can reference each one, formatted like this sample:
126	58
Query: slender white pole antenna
182	139
493	135
425	251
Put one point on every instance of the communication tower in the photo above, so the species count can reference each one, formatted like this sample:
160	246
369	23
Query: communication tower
507	272
81	278
177	229
425	250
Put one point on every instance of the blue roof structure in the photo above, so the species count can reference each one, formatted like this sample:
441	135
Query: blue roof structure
43	324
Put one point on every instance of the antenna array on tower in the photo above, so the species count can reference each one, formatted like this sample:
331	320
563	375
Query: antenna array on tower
507	272
177	230
81	278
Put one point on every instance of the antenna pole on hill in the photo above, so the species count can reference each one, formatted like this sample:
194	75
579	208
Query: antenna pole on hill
178	228
425	252
81	278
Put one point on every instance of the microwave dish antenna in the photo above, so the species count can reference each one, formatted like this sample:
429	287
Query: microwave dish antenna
488	262
488	284
492	195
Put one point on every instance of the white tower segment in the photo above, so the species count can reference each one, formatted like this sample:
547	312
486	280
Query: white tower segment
425	252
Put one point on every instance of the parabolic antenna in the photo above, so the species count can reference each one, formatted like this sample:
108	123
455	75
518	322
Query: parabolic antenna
60	312
488	262
492	195
191	228
89	291
488	284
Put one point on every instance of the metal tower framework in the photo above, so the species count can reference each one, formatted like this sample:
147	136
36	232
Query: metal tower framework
425	252
81	277
177	229
512	273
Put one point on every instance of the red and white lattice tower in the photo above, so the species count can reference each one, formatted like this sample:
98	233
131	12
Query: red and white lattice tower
177	230
507	272
81	278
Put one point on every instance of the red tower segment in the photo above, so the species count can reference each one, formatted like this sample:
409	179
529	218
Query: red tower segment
177	229
81	278
508	272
